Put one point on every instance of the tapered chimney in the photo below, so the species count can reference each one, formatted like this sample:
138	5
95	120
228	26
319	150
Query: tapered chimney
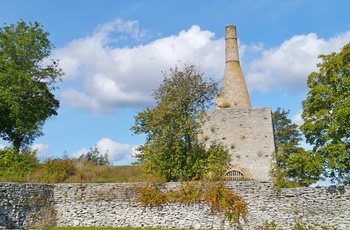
234	91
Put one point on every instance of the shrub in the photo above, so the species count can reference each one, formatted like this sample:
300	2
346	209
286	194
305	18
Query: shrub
216	195
95	157
151	195
225	201
16	166
189	192
54	170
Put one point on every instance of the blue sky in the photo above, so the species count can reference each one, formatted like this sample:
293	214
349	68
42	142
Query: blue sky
112	53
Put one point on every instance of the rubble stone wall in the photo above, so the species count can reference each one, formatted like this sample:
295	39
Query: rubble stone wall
114	204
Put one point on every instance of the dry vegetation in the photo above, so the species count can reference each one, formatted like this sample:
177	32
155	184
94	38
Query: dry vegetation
24	167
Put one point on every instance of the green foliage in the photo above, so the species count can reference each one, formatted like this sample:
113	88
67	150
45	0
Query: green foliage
326	114
108	228
294	165
172	149
217	162
219	198
15	167
27	80
95	157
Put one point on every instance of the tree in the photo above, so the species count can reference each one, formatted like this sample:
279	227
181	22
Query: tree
295	166
94	156
172	149
27	82
326	114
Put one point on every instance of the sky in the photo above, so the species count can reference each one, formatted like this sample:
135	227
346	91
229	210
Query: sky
113	52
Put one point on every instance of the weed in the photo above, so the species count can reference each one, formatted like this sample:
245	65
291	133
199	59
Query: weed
225	105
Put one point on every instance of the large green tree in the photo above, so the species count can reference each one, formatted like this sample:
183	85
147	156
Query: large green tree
27	81
295	166
172	149
326	114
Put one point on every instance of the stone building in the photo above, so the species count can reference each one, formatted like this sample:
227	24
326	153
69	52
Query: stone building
246	131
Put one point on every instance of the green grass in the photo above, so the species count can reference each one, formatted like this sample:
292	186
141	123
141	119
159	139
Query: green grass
96	228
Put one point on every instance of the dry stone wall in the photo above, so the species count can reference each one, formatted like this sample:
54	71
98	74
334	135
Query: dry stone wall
114	205
24	205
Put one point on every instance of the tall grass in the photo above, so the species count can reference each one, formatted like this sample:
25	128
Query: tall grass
75	171
25	167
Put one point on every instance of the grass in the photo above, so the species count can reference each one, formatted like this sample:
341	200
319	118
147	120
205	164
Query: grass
90	168
75	171
106	228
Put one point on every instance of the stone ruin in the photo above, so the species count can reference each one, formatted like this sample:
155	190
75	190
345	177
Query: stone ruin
246	131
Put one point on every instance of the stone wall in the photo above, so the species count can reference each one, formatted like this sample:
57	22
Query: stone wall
25	205
114	205
248	135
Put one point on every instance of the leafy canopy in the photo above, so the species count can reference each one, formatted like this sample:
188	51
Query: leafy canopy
172	149
27	80
326	114
295	166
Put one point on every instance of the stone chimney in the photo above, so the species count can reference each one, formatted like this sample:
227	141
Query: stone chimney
234	91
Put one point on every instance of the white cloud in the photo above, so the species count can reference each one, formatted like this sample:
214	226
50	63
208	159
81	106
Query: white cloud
103	73
297	119
117	153
288	66
106	76
42	150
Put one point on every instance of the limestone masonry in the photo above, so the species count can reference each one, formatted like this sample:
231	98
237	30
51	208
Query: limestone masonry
246	132
114	205
234	92
248	135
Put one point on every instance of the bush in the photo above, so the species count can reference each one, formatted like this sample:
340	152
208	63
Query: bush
151	195
216	195
15	167
225	201
54	170
95	157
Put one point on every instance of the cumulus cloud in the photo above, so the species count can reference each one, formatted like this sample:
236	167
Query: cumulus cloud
42	150
288	66
118	153
112	68
106	76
